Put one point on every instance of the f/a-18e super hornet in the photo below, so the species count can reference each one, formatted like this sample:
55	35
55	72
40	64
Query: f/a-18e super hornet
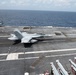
25	37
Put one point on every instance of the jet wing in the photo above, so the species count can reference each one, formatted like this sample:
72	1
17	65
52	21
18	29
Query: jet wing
26	40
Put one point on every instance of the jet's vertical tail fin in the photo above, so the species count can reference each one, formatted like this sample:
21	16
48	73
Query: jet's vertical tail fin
18	34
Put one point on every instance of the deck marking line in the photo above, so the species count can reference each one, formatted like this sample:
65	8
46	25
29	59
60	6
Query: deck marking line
10	53
61	55
28	58
4	36
52	56
13	56
58	50
3	54
36	52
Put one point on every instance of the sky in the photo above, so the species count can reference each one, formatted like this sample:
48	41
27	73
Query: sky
48	5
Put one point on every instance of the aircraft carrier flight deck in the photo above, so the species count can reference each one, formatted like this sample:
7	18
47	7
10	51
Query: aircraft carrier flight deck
17	58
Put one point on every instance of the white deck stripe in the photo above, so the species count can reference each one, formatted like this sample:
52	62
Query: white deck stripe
3	54
61	55
4	36
28	58
58	50
52	56
47	51
11	53
13	56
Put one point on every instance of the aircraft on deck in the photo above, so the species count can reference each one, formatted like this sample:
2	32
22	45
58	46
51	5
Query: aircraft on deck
25	37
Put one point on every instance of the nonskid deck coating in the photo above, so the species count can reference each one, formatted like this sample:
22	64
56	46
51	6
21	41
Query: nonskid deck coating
25	61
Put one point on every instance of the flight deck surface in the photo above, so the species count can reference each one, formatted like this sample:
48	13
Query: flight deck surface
16	59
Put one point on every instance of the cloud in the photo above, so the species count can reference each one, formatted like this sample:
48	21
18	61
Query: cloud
61	2
43	1
56	2
31	2
14	2
38	4
3	2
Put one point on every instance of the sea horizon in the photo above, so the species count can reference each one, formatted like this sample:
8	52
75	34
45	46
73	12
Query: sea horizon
38	18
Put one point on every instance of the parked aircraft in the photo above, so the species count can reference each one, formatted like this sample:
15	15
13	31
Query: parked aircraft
25	37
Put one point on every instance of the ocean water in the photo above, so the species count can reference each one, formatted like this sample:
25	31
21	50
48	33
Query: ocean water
37	18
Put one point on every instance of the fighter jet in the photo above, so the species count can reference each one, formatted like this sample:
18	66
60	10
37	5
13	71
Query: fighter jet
25	37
